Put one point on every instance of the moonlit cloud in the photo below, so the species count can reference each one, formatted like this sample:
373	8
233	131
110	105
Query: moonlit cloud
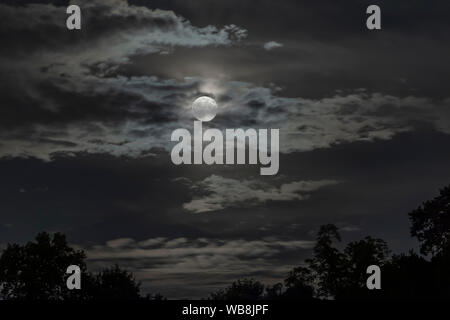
272	45
60	73
150	114
224	192
162	263
70	96
182	247
119	243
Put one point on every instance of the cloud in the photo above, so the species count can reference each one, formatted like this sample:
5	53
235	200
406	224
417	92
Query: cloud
272	45
308	124
117	28
182	247
61	91
220	192
205	264
350	228
68	93
130	116
119	243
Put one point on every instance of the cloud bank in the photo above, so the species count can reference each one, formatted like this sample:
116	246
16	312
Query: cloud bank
206	264
66	92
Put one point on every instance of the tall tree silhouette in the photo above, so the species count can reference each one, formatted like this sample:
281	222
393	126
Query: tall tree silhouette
341	275
431	223
328	263
431	226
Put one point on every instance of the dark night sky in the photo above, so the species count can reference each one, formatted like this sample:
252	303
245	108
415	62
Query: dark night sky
86	118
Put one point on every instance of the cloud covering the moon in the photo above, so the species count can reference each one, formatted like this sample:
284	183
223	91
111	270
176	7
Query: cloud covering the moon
70	94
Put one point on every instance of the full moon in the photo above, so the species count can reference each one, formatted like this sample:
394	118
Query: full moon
204	108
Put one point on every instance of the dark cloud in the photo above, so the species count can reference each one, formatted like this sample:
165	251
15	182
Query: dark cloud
324	20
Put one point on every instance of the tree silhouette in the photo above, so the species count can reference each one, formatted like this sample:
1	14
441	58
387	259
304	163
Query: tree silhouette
328	263
38	270
243	289
431	223
332	273
441	271
358	255
299	284
408	276
274	292
113	284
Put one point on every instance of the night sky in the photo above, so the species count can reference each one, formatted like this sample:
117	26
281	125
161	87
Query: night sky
86	118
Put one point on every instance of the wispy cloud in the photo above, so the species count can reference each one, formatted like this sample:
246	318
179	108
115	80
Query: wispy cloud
206	264
221	192
272	45
47	93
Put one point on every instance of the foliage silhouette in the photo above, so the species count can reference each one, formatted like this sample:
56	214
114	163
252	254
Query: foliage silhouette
299	284
358	256
431	223
242	289
274	292
37	271
332	273
328	263
408	276
113	284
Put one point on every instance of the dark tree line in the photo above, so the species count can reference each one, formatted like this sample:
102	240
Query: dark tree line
341	274
36	270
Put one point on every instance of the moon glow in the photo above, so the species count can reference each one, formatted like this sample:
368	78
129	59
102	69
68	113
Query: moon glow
204	108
